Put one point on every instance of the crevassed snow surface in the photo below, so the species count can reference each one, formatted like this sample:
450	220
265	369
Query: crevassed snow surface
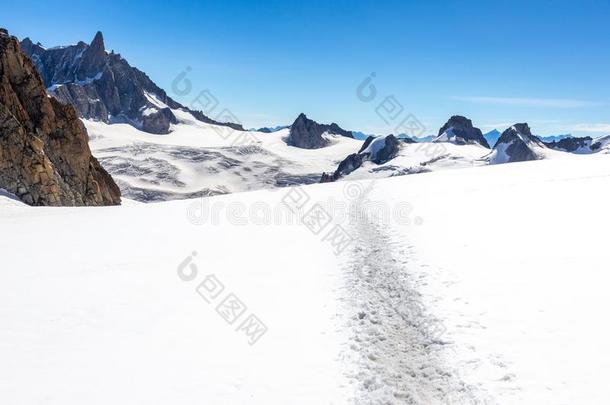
511	259
198	159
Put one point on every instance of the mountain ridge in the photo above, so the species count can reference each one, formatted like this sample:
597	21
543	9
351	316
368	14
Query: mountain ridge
103	86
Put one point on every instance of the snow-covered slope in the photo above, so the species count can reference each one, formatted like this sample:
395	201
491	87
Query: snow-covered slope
423	157
94	311
199	159
520	275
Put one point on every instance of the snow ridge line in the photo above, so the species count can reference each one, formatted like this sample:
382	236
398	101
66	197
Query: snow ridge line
396	346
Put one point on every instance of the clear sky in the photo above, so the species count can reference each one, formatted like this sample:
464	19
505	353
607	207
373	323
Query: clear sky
497	62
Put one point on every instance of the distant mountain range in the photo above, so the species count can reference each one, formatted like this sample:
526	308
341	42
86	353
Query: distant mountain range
491	137
103	88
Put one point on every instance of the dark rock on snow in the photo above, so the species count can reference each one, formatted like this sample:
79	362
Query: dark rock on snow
307	134
461	131
380	155
571	144
516	144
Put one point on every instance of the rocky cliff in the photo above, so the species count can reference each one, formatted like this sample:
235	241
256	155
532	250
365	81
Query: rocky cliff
517	144
460	130
44	154
307	134
102	86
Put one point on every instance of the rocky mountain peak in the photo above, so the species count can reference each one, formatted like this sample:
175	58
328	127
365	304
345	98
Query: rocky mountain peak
522	128
518	132
460	130
517	144
573	145
93	60
307	134
98	42
458	122
44	153
376	149
102	86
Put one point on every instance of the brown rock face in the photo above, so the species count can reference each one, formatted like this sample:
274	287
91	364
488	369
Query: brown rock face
44	155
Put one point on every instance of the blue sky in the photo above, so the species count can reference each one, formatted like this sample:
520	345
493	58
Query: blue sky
497	62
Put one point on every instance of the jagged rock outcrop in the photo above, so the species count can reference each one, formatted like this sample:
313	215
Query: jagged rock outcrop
378	150
578	145
307	134
601	143
517	144
44	153
158	121
103	86
459	130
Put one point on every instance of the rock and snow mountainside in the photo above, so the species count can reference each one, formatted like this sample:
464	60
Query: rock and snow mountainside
378	150
44	155
450	309
308	134
459	145
601	144
572	145
459	130
517	144
102	86
199	159
584	145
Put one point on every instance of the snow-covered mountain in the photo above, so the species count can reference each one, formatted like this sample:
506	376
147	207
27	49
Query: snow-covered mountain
459	130
102	86
307	134
517	144
601	144
378	150
573	145
583	145
200	159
